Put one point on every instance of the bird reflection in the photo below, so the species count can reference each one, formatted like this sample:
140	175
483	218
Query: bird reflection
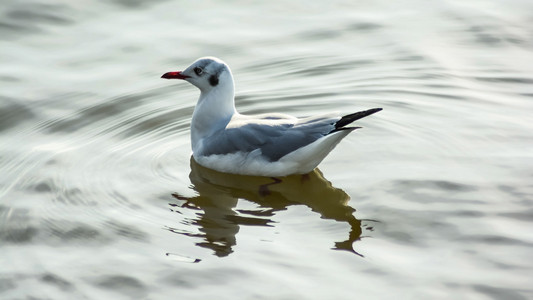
218	219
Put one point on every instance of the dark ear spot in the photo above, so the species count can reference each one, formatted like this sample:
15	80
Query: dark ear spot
213	80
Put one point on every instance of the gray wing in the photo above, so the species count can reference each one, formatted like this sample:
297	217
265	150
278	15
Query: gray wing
275	138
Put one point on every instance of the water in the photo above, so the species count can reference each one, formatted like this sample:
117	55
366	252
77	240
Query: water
432	199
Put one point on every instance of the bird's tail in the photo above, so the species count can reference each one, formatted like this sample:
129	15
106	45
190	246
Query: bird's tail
340	124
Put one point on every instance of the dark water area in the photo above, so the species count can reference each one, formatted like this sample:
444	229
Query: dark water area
432	199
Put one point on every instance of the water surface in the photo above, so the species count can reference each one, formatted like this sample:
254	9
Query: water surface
431	199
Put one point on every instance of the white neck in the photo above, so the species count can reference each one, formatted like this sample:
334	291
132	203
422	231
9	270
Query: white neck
212	112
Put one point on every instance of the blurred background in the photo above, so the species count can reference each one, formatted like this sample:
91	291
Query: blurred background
431	199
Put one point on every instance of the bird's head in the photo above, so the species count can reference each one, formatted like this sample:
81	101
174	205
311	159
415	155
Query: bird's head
206	73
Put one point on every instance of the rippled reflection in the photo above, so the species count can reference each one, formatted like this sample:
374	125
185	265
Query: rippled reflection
218	195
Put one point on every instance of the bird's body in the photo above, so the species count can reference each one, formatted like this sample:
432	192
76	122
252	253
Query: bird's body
266	145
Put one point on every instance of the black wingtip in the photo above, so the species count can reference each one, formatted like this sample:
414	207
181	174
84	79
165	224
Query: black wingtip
355	116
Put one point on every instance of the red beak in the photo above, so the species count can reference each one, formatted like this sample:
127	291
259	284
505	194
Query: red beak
174	75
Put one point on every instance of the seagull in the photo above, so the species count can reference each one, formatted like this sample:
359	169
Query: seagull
270	144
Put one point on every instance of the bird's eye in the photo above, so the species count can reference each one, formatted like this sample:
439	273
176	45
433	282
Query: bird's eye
198	71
